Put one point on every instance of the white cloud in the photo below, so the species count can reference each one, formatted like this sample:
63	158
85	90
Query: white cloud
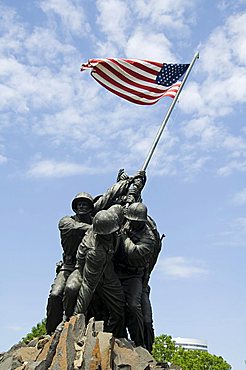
232	166
206	137
168	14
192	100
50	168
37	73
224	4
71	14
114	20
3	159
12	30
205	131
234	143
146	45
236	27
181	267
221	71
15	328
139	29
222	65
192	164
71	126
215	97
240	197
224	59
43	46
44	88
233	234
106	49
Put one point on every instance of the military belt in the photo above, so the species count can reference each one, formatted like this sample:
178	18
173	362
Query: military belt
130	269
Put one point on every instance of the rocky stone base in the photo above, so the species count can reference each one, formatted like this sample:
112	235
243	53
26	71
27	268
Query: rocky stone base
74	346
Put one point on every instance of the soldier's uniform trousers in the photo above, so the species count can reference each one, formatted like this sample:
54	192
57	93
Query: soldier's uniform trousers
131	279
108	289
54	310
149	334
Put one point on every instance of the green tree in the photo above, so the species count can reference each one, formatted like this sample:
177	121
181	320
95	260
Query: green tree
198	360
164	350
37	331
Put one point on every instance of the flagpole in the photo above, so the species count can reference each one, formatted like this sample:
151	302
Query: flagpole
164	122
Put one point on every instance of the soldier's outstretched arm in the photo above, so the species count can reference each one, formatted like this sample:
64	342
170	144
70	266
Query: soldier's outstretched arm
134	193
118	189
68	224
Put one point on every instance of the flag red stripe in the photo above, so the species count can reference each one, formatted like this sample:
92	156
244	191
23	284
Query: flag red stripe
90	62
170	92
134	74
142	66
128	81
134	62
132	100
157	64
126	89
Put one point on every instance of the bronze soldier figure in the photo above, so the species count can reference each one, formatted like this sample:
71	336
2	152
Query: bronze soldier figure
94	261
149	334
137	243
72	230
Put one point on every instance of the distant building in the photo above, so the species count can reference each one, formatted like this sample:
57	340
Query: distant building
191	343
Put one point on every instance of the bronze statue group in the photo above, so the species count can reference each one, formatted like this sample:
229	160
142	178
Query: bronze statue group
110	246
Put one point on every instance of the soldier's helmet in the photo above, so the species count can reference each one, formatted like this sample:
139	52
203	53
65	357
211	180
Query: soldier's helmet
105	222
118	210
82	196
136	212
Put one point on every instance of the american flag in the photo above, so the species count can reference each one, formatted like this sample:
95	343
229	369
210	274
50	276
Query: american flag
139	81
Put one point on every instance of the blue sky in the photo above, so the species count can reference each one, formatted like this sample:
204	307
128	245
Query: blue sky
62	133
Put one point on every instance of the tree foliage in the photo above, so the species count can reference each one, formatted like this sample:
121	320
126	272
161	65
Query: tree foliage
164	350
37	331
